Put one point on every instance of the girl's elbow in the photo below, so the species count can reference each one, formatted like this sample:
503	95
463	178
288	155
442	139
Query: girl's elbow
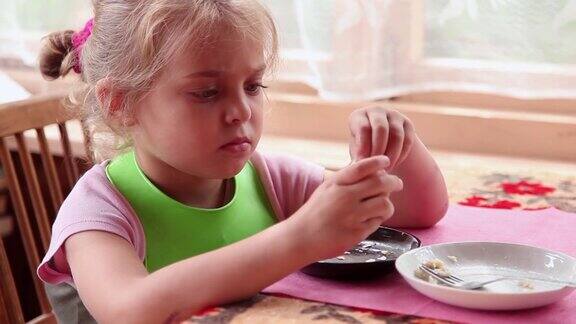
434	208
426	215
153	310
122	313
135	310
433	215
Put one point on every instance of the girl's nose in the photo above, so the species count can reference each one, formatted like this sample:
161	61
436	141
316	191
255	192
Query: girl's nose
238	111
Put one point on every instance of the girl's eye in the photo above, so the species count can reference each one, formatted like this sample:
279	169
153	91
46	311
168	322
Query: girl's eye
205	94
254	88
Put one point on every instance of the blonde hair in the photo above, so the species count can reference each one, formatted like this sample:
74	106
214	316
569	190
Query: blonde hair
133	40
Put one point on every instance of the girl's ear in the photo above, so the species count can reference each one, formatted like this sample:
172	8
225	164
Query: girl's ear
111	102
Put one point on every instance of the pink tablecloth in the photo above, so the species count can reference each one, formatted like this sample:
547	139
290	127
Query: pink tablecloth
549	228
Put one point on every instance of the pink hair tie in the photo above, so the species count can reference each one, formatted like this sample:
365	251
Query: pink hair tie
78	40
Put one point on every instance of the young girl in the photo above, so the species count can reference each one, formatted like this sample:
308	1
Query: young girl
190	215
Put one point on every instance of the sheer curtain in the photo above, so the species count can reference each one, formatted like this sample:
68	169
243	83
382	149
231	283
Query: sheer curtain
369	49
22	25
24	22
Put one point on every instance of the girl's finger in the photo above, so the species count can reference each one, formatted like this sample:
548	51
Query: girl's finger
395	141
361	132
360	170
409	139
372	224
352	148
379	132
375	185
379	206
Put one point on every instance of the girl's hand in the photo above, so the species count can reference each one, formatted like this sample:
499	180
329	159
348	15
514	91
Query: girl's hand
380	131
345	208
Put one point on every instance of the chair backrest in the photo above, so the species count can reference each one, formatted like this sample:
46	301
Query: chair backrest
34	134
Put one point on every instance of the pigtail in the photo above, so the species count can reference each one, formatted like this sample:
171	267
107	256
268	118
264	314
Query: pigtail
57	56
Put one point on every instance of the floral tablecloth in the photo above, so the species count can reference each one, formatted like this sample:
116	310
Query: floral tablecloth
467	186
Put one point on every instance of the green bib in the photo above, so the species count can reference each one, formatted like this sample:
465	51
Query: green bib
175	231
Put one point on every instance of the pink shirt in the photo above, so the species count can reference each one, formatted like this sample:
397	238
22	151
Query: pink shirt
95	205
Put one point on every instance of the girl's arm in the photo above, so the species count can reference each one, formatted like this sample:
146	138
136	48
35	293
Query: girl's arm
380	131
115	286
424	199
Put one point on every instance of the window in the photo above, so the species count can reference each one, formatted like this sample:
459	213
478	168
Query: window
24	22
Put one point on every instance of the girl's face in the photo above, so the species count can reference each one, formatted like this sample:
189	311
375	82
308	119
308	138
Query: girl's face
204	114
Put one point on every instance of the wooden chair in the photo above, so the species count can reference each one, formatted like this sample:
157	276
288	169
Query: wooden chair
35	192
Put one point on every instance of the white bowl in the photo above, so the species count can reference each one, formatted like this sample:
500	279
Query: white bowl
485	260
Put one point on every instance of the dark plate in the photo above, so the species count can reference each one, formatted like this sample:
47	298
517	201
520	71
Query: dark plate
373	257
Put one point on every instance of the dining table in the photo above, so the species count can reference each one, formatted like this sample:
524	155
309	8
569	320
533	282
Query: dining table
488	202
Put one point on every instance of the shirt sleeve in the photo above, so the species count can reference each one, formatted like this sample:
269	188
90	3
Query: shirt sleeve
289	181
93	205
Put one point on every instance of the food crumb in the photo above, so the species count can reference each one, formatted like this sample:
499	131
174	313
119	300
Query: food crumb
526	284
340	258
435	264
420	274
382	258
453	258
347	252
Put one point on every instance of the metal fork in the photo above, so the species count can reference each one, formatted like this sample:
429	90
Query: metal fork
453	281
